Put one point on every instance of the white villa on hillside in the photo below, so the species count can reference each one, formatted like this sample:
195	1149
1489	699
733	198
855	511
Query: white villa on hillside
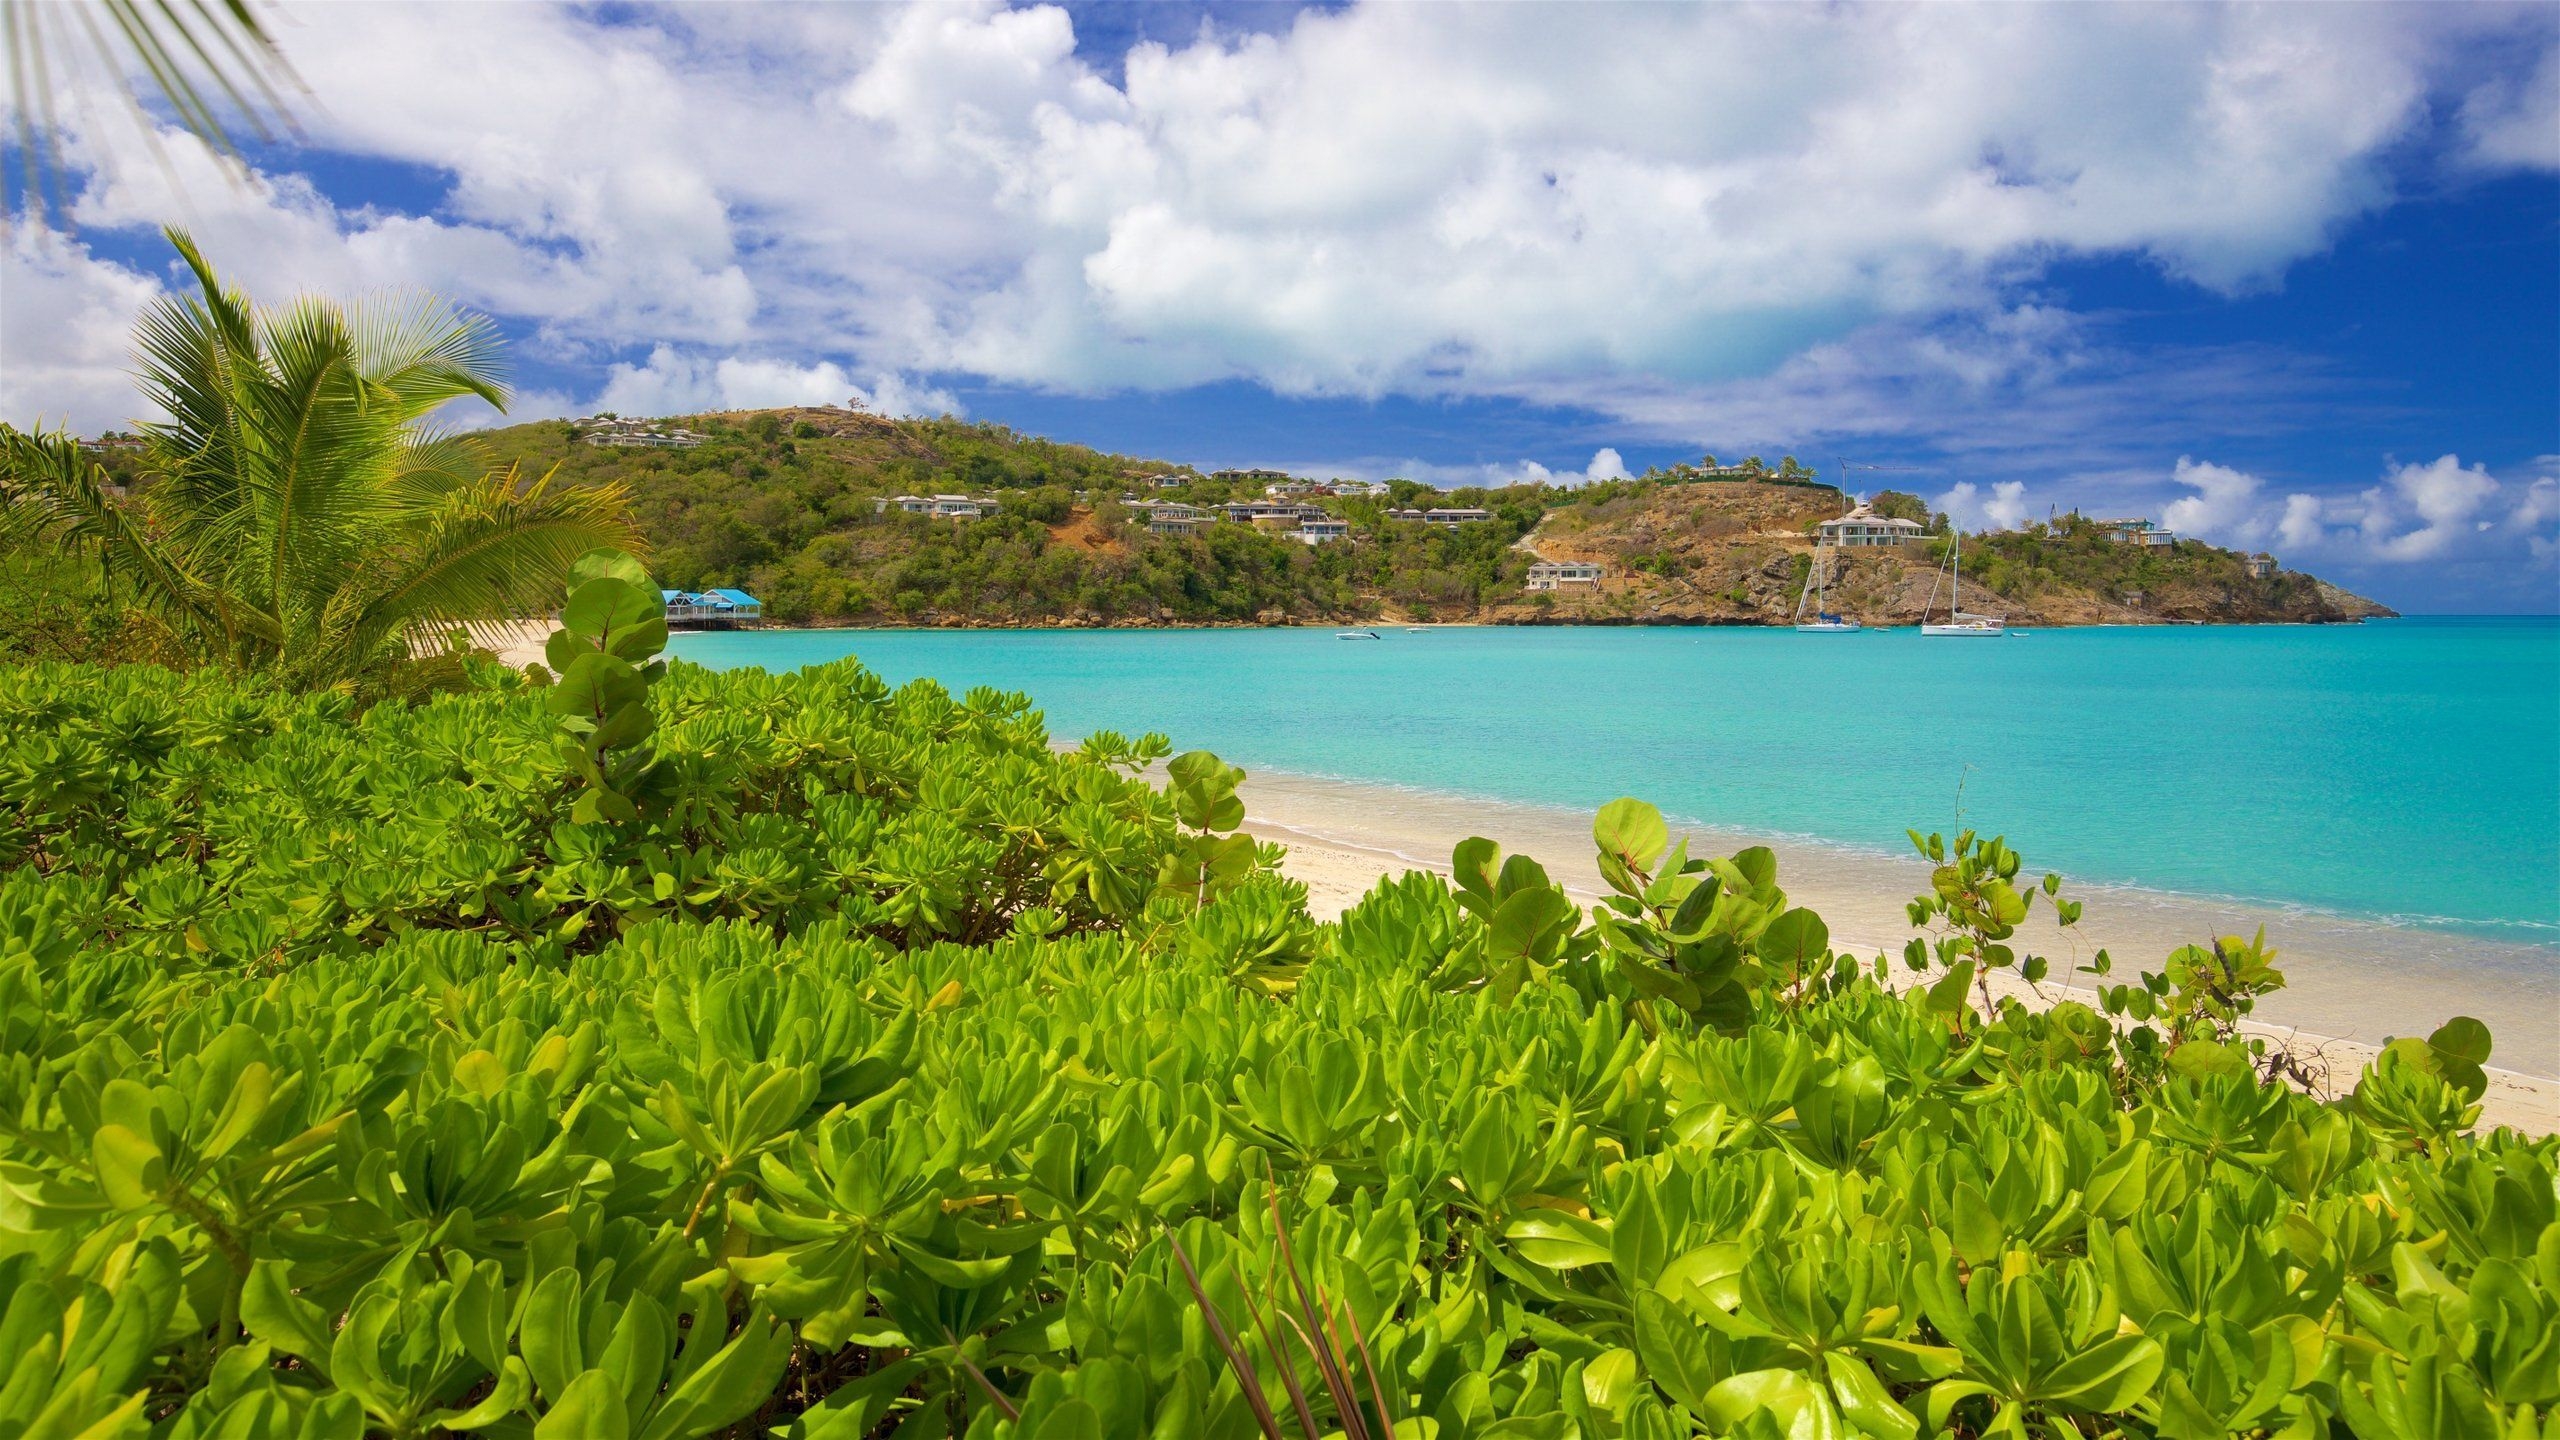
1368	489
2261	565
1557	574
1450	517
947	507
616	433
1319	532
1265	511
1171	517
1864	528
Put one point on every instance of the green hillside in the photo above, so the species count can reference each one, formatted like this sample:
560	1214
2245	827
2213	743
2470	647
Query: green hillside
782	503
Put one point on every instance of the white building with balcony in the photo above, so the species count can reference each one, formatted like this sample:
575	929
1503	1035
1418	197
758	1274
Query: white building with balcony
1862	528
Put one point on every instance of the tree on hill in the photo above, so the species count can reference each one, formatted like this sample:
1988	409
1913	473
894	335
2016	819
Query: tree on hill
1900	505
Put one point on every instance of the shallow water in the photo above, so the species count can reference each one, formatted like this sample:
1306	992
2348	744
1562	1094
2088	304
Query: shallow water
2403	772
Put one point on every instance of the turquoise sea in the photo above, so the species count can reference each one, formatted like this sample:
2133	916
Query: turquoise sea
2403	771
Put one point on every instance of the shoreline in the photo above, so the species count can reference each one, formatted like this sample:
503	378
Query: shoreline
1532	621
2351	985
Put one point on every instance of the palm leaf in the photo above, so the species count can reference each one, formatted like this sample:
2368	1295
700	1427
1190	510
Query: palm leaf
492	552
54	495
184	48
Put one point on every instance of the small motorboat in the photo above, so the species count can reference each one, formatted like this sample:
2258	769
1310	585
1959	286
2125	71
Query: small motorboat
1355	635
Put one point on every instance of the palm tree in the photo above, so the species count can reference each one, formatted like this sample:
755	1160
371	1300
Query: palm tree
299	515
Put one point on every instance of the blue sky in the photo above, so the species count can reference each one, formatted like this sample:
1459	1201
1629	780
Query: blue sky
2287	278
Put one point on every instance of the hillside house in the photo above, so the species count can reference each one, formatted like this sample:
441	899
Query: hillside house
1365	489
105	443
1249	477
941	507
1559	574
1451	517
1862	528
2137	532
1261	512
619	434
1323	532
2262	566
1169	517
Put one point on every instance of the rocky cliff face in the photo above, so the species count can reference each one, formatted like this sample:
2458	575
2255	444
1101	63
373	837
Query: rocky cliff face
1739	554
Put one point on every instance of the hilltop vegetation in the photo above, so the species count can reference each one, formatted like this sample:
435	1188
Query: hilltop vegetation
782	503
1740	554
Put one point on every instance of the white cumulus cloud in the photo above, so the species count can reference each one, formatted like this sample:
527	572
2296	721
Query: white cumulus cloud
673	382
1671	214
2001	505
2436	510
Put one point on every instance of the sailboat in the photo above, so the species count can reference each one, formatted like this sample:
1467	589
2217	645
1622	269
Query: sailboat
1958	622
1817	584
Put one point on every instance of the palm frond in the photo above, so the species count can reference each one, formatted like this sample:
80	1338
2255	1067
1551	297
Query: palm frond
327	452
197	355
204	59
430	466
54	495
490	553
422	351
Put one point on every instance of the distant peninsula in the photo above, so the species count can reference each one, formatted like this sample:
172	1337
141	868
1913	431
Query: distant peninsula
838	517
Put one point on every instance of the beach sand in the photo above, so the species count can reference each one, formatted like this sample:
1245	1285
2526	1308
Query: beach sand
2352	986
519	643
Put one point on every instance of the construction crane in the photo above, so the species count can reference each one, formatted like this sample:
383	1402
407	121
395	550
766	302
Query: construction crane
1846	467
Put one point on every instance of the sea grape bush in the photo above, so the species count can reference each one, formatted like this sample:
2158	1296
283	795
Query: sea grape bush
870	1067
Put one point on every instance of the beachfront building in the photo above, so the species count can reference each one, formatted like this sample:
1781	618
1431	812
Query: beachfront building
1323	532
1863	528
2262	566
723	609
1558	574
1169	517
1451	517
941	507
2137	532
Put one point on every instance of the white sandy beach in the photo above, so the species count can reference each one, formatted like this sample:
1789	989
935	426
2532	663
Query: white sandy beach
2352	986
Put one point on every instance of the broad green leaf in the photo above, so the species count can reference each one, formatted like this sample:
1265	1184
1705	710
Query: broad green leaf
1632	831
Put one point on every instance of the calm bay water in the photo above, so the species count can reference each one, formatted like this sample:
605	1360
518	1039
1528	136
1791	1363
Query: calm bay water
2405	771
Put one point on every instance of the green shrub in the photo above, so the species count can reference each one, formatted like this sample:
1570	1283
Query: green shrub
877	1068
